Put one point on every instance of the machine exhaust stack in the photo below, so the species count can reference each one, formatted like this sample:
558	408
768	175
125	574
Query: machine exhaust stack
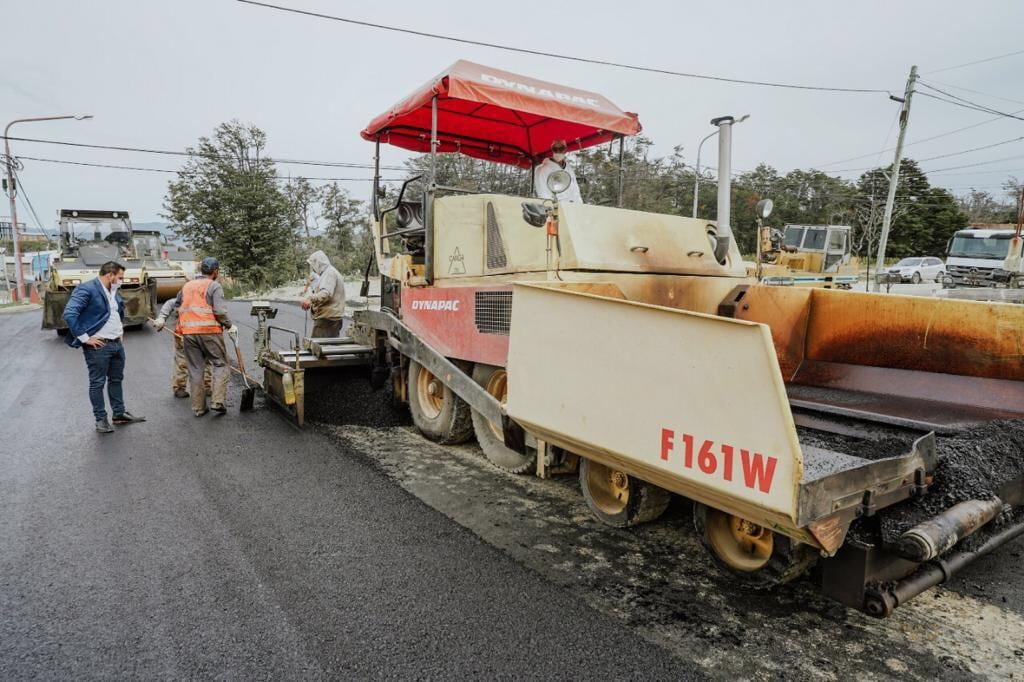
724	234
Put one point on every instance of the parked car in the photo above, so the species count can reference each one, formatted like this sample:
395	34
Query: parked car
916	270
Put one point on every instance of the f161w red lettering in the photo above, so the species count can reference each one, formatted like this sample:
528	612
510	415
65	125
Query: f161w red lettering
753	469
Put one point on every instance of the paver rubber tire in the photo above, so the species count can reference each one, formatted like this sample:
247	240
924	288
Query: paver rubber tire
488	435
782	561
618	499
437	412
915	278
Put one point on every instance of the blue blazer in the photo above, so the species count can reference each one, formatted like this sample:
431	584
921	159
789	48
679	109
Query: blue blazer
88	310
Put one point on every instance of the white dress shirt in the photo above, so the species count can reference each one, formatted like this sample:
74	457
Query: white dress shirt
113	328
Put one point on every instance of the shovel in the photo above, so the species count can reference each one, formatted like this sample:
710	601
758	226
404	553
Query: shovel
248	393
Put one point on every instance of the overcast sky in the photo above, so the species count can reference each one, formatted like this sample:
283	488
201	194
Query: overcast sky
161	74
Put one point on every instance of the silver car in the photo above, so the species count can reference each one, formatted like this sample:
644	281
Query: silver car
916	270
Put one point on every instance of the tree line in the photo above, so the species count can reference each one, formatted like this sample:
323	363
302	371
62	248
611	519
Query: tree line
924	217
230	201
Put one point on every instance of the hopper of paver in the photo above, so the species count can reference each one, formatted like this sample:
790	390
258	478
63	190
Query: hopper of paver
925	363
770	416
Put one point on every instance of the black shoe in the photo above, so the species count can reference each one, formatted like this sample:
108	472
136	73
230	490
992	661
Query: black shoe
180	393
200	413
103	426
127	418
219	408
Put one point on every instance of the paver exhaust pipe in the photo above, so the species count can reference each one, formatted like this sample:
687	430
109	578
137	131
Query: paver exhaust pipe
724	233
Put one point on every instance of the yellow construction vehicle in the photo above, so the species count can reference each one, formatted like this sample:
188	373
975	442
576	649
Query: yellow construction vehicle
634	350
88	239
807	256
169	277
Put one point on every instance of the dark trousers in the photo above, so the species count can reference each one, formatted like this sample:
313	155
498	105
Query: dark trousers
326	329
106	367
202	351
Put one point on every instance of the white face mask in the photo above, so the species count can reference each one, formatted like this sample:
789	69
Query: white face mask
558	156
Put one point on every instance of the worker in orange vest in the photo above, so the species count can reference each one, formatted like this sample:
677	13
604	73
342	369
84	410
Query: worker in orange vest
202	319
179	376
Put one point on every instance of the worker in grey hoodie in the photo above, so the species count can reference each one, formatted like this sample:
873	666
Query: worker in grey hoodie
327	298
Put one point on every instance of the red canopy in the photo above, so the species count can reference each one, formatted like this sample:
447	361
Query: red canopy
500	116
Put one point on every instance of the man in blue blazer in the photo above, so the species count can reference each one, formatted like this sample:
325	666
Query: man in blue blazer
95	316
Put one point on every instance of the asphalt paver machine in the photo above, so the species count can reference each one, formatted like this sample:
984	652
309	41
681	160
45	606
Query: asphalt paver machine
633	350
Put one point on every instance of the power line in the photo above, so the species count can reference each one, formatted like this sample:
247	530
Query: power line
24	197
554	55
171	152
979	61
979	92
965	103
922	140
178	172
988	172
968	151
973	165
940	156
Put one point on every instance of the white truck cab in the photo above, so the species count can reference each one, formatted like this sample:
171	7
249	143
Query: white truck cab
981	258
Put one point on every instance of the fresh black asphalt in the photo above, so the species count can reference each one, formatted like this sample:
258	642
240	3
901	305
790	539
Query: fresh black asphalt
239	547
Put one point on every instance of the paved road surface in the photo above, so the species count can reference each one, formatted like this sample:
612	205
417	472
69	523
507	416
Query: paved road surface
236	546
349	550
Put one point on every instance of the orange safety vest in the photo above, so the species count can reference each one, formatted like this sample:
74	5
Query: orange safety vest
195	315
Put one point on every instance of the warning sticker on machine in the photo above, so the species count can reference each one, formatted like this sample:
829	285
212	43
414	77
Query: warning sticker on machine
456	263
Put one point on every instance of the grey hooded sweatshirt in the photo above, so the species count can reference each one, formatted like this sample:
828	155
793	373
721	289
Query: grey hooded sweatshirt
328	294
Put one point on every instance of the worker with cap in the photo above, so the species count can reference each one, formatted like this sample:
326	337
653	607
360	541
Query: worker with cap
327	302
202	319
179	375
549	165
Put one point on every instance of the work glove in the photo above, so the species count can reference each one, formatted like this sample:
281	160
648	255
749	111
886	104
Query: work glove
159	323
233	332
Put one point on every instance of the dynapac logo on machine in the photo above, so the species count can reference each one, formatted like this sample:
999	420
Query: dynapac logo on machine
452	306
542	92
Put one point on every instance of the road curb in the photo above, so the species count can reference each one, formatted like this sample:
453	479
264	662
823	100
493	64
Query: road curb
20	308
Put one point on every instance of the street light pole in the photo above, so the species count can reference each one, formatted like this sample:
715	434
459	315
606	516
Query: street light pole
696	172
12	194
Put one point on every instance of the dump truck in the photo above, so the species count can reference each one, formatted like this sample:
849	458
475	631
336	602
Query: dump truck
807	256
169	276
88	239
877	436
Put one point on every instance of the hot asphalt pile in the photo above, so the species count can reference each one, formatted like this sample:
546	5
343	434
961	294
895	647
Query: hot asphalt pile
974	464
344	395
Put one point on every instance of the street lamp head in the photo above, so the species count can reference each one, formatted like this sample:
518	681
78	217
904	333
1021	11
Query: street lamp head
83	117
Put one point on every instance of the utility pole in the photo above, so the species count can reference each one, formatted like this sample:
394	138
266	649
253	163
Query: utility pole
895	177
15	237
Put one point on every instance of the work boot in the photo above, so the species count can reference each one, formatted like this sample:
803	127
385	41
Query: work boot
219	408
180	393
200	413
103	426
127	418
